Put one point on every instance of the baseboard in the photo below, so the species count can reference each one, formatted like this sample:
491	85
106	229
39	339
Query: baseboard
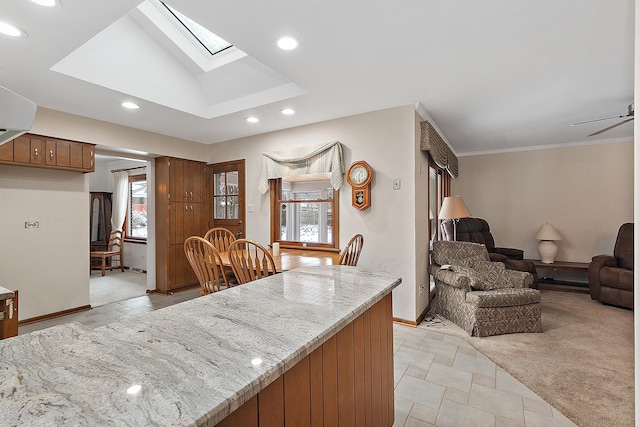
414	323
404	322
424	313
56	314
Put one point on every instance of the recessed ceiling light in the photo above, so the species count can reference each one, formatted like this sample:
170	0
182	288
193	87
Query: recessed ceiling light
11	30
287	43
252	119
288	111
48	3
130	105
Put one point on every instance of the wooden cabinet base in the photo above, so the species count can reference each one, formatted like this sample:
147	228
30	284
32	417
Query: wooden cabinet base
9	325
347	381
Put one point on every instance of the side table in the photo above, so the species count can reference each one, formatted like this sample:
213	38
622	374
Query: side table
547	280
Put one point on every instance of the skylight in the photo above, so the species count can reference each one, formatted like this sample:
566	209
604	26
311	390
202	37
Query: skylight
213	43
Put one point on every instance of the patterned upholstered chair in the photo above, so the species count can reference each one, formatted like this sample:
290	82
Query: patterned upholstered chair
482	297
477	230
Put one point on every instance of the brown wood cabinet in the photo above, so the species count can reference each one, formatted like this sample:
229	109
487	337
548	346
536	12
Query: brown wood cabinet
51	153
347	381
181	212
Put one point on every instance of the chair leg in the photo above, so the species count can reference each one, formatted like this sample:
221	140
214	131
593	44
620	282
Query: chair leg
121	264
103	262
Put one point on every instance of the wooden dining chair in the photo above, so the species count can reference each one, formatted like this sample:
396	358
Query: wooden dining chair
221	238
351	252
205	261
114	250
250	261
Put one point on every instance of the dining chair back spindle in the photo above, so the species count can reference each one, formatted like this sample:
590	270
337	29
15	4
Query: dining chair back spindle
351	252
250	261
220	238
205	261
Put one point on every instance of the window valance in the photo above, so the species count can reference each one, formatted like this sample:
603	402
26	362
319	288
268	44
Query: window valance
438	149
324	158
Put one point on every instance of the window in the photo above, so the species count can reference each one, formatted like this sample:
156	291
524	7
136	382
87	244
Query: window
137	210
304	212
212	42
226	196
439	188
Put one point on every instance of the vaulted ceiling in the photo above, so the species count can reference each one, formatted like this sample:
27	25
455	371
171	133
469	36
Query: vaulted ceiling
493	75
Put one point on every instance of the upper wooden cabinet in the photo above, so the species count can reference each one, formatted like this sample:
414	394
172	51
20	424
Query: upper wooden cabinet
44	152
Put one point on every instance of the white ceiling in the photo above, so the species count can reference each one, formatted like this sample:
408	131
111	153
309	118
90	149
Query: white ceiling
493	75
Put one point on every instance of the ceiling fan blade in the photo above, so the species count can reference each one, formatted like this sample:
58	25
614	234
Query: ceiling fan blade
611	127
597	120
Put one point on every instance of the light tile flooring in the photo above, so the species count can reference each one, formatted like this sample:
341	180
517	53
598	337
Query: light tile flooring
440	380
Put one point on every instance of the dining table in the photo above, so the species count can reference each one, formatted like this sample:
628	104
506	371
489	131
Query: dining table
290	259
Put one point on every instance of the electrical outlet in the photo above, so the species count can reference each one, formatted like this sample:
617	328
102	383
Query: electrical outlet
32	224
396	183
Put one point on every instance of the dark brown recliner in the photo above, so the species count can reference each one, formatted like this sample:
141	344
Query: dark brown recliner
611	277
476	230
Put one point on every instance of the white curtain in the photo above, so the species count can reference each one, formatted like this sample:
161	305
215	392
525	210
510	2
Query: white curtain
323	158
119	199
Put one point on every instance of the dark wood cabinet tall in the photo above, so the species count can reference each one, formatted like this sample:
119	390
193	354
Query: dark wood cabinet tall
181	211
99	222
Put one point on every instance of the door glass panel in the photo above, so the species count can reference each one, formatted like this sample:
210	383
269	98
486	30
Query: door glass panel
219	184
232	183
219	207
232	207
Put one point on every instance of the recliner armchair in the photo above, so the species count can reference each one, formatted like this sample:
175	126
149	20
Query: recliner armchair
480	296
611	277
476	230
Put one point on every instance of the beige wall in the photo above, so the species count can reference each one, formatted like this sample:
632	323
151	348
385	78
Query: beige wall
422	222
585	192
47	265
387	141
118	138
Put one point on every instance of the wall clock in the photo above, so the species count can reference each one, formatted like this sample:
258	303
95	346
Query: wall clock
359	176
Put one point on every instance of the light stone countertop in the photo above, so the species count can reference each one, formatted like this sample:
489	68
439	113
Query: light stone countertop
5	294
195	362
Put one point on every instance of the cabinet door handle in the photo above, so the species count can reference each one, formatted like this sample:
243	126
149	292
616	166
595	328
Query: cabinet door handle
35	152
50	154
191	194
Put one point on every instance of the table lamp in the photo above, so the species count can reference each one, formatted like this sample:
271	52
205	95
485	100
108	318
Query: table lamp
453	208
547	248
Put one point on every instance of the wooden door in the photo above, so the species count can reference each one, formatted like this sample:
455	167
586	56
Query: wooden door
228	196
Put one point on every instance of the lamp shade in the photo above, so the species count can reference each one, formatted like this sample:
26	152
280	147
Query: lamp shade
453	207
547	232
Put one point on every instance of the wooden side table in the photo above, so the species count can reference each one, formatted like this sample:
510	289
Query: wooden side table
546	276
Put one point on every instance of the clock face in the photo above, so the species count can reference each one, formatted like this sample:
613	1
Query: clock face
359	174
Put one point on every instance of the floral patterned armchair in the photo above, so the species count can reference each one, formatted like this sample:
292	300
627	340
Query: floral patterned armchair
482	297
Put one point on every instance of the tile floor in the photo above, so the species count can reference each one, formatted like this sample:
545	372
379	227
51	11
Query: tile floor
440	380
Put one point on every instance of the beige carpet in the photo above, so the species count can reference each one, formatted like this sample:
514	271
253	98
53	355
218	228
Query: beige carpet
115	286
582	364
